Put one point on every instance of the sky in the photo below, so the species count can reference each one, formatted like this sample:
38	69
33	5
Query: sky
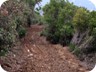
94	2
89	4
2	1
44	2
85	3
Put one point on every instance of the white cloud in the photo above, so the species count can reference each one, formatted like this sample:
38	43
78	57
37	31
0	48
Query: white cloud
94	2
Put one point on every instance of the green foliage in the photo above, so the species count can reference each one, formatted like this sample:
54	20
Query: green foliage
13	24
74	49
6	40
69	23
3	51
39	18
80	20
84	23
66	33
22	32
94	32
92	23
58	14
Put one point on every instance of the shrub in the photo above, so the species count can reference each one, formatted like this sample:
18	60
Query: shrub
3	51
66	34
12	23
22	32
80	20
58	15
74	49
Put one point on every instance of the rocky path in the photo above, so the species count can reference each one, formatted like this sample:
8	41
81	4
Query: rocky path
35	54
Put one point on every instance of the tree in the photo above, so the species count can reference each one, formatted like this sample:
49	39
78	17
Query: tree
80	20
85	33
58	14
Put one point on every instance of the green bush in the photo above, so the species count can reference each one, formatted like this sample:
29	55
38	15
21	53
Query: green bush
92	23
74	49
3	51
80	20
22	32
66	34
58	16
11	25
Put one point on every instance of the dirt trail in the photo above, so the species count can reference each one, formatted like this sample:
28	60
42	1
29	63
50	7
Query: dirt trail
35	54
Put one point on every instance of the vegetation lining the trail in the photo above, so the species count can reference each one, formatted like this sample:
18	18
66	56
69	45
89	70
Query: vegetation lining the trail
58	14
69	24
13	21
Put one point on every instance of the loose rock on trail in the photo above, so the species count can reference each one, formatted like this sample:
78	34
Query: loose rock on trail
35	54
